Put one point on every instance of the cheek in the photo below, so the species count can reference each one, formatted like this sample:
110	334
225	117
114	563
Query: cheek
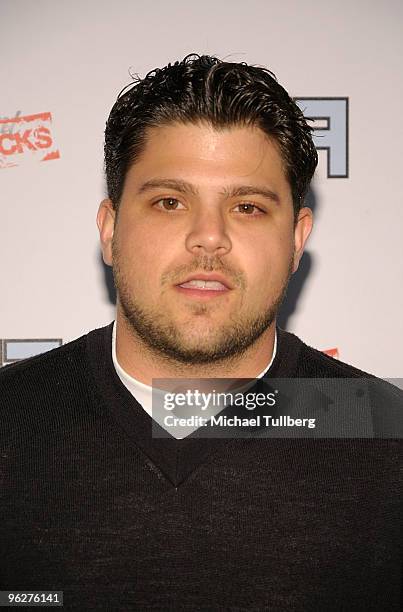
143	255
271	254
270	269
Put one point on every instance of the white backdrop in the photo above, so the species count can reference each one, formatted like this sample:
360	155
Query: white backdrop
70	59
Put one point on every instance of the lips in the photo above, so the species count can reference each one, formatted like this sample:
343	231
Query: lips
206	282
204	285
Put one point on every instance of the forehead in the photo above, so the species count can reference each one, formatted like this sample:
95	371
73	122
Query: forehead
202	153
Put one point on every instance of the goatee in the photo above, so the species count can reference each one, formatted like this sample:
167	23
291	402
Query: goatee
167	339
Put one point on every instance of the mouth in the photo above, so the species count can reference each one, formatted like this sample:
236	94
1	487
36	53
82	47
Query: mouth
204	286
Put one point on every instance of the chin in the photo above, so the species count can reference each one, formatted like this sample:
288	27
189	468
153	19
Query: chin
198	342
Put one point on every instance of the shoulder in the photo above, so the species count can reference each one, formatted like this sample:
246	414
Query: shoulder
41	367
385	399
48	394
49	398
326	365
46	381
312	363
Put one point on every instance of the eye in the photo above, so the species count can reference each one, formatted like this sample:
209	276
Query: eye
249	209
168	204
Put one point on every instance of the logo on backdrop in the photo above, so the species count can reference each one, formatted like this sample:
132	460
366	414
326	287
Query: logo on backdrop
16	350
330	125
28	138
333	352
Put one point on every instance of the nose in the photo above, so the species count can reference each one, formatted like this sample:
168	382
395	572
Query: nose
208	234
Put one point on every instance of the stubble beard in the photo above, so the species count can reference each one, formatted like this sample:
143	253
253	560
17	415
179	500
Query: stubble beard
167	339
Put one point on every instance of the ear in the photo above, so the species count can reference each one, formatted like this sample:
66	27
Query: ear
303	228
106	224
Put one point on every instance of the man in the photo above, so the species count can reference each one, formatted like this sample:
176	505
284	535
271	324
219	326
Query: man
207	166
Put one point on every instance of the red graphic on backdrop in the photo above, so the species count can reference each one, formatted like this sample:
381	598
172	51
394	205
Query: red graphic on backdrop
26	139
333	352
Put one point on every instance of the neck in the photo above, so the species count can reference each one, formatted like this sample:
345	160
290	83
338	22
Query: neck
143	363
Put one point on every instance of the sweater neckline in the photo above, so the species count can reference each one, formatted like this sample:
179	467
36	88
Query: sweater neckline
174	460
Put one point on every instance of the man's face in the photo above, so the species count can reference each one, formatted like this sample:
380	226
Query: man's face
203	206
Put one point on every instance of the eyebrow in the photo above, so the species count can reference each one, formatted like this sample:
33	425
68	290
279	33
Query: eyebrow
178	185
228	192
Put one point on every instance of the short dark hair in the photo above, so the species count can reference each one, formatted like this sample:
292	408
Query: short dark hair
224	94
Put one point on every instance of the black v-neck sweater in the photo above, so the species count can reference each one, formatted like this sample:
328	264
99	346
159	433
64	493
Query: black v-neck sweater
94	506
